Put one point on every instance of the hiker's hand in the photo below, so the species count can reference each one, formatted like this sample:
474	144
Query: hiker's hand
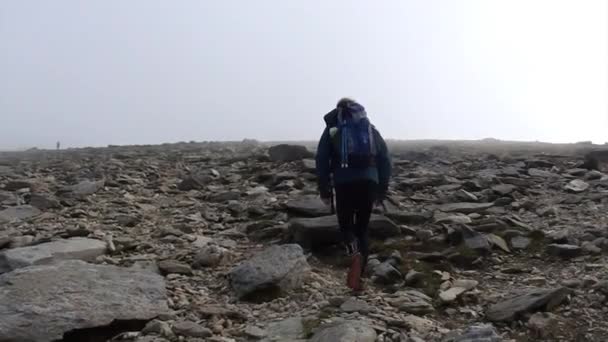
326	201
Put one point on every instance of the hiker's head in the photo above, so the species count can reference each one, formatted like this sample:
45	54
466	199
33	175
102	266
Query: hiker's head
351	108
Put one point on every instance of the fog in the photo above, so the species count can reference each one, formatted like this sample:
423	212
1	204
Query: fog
92	73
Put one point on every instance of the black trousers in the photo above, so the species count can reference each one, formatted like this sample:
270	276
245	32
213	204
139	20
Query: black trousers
354	204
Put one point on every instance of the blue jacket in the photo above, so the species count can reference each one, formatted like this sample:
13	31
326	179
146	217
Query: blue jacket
327	163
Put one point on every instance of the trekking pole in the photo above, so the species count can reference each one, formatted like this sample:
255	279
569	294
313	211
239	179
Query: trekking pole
331	200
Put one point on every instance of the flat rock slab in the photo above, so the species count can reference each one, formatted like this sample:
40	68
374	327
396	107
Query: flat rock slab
535	300
324	231
564	250
290	329
41	303
279	267
308	206
21	212
46	253
464	207
345	331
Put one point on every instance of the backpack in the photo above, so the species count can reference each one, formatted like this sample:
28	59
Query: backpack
353	141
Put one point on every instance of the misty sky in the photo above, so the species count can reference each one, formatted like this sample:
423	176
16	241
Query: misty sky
102	72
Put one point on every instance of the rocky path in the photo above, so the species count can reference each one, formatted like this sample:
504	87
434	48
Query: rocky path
229	242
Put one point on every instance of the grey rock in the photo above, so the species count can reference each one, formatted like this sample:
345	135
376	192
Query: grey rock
49	252
412	301
532	301
564	251
323	231
210	255
225	196
85	188
345	331
385	273
288	153
309	206
424	234
41	303
459	219
191	329
464	207
408	217
255	332
504	189
279	267
157	327
175	267
309	165
498	242
21	212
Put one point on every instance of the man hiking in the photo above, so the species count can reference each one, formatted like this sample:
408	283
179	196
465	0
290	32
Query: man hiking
353	156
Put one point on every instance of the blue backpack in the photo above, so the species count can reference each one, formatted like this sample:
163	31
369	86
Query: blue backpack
354	139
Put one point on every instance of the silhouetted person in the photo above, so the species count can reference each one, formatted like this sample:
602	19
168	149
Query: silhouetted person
58	145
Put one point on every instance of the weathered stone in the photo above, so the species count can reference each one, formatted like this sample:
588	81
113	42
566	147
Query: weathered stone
535	300
191	329
210	255
276	269
21	212
323	231
46	253
17	185
310	206
345	331
465	207
41	303
419	324
504	189
288	153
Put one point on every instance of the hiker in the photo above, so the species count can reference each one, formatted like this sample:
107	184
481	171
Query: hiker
354	157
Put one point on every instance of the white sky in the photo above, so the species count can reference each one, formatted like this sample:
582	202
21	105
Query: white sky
104	72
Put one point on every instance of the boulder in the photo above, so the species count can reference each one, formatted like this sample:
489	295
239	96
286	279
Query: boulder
323	231
345	331
75	248
531	301
278	268
41	303
288	153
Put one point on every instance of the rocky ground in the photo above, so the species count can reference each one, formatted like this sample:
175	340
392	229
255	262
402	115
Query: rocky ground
229	242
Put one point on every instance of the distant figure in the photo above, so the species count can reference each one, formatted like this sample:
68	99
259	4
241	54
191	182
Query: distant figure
355	154
58	145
